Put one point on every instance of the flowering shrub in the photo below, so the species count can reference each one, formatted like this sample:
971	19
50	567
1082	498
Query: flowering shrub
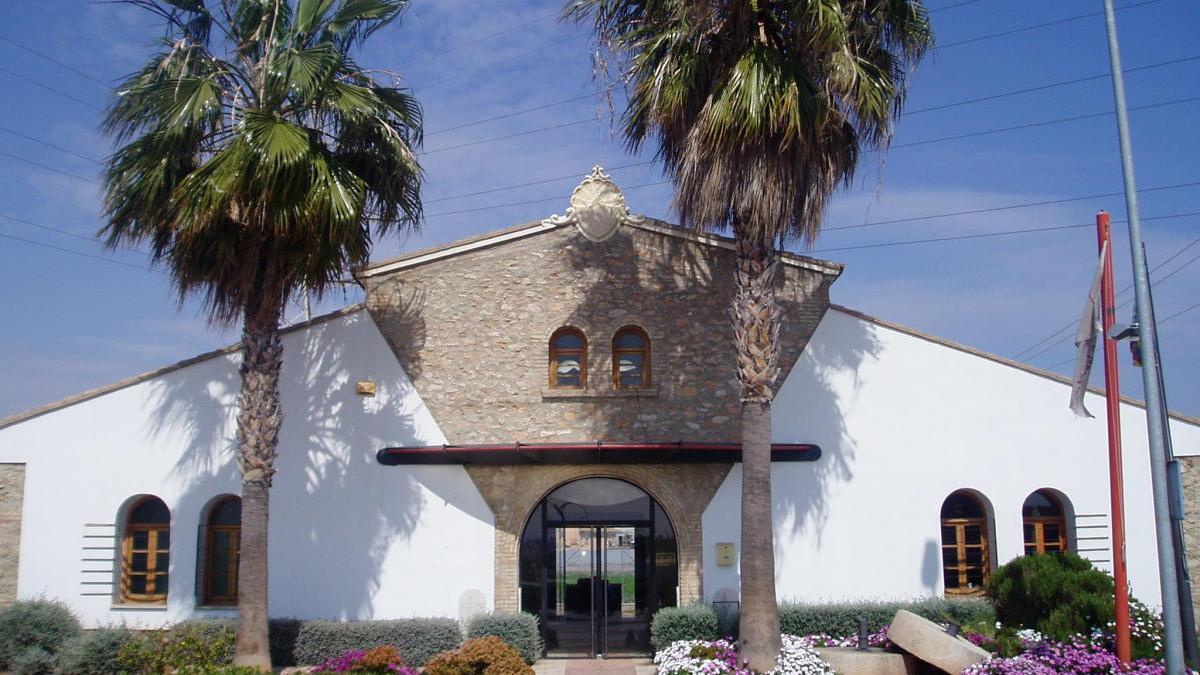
381	660
716	657
877	639
1078	655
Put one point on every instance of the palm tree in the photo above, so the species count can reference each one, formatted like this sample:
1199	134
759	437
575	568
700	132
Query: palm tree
759	110
256	158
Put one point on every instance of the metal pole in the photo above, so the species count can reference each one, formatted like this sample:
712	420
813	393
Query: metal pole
1112	395
1168	581
1187	614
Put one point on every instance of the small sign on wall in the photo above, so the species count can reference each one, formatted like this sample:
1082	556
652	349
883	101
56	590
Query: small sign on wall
725	555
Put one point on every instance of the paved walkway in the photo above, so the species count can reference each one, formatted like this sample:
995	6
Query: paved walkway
588	666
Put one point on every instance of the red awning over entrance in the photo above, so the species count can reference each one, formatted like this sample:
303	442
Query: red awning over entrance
589	453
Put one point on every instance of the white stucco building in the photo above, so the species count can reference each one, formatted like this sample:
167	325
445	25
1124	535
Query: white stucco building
566	420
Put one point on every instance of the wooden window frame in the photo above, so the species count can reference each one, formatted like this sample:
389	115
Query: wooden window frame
235	556
153	594
1039	524
960	546
556	352
618	351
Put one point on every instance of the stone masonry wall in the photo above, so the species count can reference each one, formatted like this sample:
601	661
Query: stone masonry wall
1191	523
472	331
12	493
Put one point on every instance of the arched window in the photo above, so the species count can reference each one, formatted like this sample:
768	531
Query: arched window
222	543
966	555
568	359
1045	523
145	552
631	358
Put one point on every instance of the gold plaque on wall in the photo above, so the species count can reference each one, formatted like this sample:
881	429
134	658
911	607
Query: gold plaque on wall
725	555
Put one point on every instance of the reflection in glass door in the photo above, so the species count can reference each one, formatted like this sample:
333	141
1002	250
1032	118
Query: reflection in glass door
597	558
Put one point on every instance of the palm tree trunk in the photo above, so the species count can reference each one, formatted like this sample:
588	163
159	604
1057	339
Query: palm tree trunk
756	329
259	419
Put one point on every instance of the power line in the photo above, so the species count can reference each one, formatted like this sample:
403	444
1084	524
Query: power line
468	144
1181	312
1154	283
48	144
534	201
953	5
79	253
1123	291
1006	207
1023	29
48	167
66	232
505	188
512	114
55	61
1052	85
481	40
982	235
1044	123
48	88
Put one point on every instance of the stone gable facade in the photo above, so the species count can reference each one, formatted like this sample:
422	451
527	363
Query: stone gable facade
12	499
472	330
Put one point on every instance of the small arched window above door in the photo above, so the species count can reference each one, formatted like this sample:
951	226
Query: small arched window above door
1045	523
631	358
568	359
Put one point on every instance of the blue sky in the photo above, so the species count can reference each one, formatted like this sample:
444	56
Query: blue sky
74	321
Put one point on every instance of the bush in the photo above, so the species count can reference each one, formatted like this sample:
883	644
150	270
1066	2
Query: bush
198	644
34	661
841	618
34	625
383	660
1057	594
519	630
671	624
416	639
488	655
95	652
219	670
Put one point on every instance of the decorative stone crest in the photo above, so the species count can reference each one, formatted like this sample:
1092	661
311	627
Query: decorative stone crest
597	208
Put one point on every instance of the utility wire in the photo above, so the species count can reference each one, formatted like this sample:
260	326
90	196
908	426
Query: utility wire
55	61
1181	312
48	167
1043	87
1006	207
505	188
48	144
68	233
981	235
556	198
480	40
1123	291
1154	283
48	88
79	253
1044	123
552	127
953	5
1023	29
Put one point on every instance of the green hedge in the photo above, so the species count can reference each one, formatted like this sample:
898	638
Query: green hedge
416	639
682	623
518	629
839	619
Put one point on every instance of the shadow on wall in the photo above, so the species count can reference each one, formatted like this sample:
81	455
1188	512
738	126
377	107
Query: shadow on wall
815	397
931	566
334	512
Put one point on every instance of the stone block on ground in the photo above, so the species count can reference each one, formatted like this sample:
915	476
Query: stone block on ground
931	643
849	661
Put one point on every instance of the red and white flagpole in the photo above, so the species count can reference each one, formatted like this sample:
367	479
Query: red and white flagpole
1112	394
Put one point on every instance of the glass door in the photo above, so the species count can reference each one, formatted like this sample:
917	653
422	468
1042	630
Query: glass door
570	621
626	569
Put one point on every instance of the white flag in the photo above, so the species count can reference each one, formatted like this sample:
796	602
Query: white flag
1085	340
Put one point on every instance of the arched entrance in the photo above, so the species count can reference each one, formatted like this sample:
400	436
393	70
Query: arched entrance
598	557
